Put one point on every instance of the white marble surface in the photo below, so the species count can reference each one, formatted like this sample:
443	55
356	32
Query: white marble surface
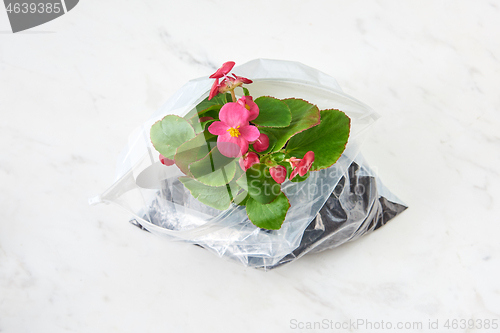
71	91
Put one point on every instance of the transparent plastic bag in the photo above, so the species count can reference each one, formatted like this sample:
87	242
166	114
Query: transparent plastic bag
162	205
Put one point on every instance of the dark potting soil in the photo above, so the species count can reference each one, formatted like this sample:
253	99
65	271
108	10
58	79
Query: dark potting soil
348	214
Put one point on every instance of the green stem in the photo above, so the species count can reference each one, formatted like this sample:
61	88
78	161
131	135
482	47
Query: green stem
233	95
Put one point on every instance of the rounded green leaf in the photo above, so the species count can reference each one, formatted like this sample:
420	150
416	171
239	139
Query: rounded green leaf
304	115
327	140
214	169
191	151
259	184
241	199
272	112
216	197
169	133
270	216
177	130
160	141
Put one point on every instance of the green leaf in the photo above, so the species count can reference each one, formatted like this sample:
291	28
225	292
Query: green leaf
272	112
277	157
212	113
270	216
220	99
245	91
214	169
160	140
169	133
241	199
205	124
206	104
217	197
327	140
191	114
215	108
177	130
190	151
259	184
304	115
200	127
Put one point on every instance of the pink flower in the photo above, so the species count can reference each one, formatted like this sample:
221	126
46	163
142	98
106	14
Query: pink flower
294	162
249	104
166	161
304	165
249	160
278	173
233	130
223	70
222	87
228	83
214	90
240	79
262	143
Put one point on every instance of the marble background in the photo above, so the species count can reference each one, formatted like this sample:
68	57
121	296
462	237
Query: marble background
73	89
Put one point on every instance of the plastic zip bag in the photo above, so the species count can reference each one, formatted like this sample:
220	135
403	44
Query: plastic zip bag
162	205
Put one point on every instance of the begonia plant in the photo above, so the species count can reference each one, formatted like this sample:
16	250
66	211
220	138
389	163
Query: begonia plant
239	151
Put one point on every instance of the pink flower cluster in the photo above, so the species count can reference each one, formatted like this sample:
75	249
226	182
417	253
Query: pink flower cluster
278	172
234	130
301	166
237	127
228	83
